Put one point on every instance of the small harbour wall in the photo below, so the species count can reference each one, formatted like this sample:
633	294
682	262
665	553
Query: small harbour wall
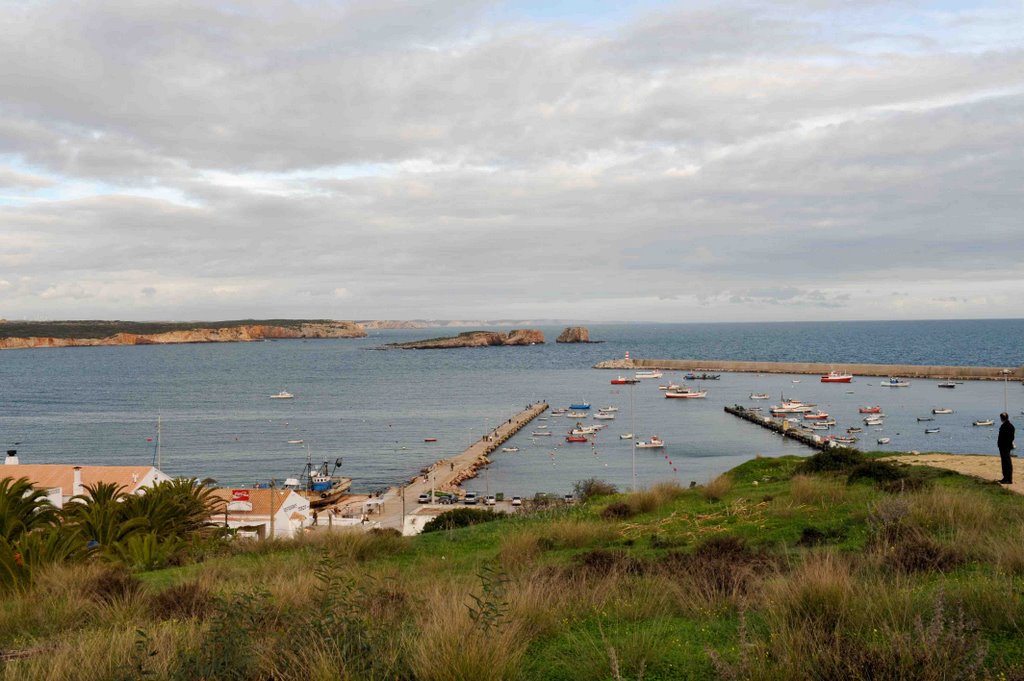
794	433
817	368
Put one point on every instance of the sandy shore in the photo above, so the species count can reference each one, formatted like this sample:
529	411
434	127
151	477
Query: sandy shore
984	467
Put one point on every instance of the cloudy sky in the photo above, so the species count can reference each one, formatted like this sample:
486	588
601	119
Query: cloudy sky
594	160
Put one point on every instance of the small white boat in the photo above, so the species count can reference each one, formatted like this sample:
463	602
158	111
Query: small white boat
541	433
984	422
654	443
626	436
283	395
929	431
883	440
796	380
686	394
817	426
608	410
510	450
942	410
895	383
648	374
577	415
947	384
760	396
604	416
295	442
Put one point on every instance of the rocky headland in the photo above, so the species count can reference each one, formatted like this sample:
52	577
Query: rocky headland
19	335
575	334
474	339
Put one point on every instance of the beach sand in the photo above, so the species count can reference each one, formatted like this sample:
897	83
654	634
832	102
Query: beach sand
985	467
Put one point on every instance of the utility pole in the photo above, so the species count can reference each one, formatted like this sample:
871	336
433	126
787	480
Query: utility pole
401	528
632	438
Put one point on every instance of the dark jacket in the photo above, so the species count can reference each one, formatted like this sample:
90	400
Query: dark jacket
1006	431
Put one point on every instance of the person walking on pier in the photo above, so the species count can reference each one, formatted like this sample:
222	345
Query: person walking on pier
1005	444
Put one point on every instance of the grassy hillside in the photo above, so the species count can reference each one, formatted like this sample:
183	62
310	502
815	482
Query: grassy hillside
86	328
835	568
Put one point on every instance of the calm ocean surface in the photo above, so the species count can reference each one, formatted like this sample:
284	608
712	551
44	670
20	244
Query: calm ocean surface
99	405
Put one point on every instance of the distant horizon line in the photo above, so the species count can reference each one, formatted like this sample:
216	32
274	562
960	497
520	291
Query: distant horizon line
507	320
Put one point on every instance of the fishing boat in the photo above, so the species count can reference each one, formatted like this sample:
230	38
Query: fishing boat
942	410
925	418
604	416
320	487
654	443
895	383
760	396
626	436
575	438
871	410
648	374
854	429
586	430
702	377
816	426
622	380
576	415
541	433
929	431
510	450
844	440
947	384
819	416
283	395
874	421
608	410
686	393
883	440
791	407
837	377
984	422
582	406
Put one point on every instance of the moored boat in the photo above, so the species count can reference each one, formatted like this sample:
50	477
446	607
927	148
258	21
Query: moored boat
686	393
894	383
837	377
510	450
576	415
759	396
320	487
582	406
622	380
541	433
942	410
984	422
947	384
575	438
626	436
654	443
883	440
925	418
648	374
871	410
604	415
283	395
819	416
430	439
929	431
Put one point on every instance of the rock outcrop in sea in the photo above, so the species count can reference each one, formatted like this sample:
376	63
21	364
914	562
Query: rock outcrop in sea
574	334
475	339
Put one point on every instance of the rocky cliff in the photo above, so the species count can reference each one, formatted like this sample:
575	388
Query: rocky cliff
475	339
574	334
227	334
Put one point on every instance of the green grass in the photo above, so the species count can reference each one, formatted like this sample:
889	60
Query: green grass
773	576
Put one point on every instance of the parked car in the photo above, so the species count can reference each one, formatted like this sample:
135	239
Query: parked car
569	499
446	499
470	499
423	499
517	501
490	500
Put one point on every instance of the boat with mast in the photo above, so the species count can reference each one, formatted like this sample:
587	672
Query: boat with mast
322	487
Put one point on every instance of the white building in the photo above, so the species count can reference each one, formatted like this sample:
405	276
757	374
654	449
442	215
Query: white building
280	513
63	481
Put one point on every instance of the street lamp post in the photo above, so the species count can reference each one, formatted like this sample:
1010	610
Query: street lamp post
1006	377
632	436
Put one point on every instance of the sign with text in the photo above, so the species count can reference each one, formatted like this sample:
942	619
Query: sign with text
239	495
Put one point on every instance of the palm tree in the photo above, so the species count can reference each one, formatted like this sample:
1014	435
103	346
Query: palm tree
100	517
23	509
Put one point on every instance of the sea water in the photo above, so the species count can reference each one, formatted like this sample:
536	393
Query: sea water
373	409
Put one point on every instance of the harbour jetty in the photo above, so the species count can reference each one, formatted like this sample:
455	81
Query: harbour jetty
447	474
778	426
815	368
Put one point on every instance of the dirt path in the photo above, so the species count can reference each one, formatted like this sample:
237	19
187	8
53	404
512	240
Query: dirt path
985	467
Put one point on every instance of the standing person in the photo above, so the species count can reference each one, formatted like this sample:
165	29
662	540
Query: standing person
1005	444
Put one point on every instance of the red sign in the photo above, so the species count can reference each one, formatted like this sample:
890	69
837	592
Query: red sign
239	495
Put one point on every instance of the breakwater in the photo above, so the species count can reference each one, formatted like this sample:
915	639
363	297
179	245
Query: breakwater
793	433
447	474
816	368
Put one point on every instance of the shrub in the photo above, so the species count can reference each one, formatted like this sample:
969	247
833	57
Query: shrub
831	460
592	487
604	562
813	536
810	490
717	488
877	471
617	510
182	601
460	517
112	585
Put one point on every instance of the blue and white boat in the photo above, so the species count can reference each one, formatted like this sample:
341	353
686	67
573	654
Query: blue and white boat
580	406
